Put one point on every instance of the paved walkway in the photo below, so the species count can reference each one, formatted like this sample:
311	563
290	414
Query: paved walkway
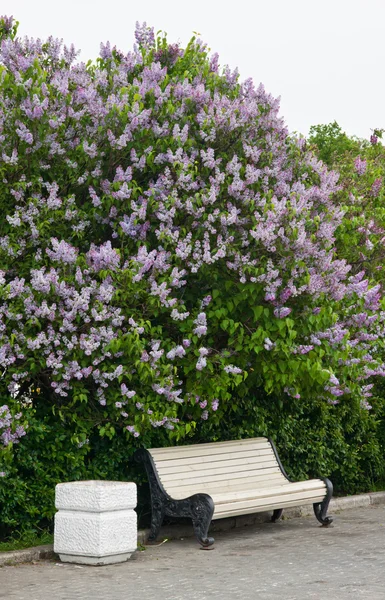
289	560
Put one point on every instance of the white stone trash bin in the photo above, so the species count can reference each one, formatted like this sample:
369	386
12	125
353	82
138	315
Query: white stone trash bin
96	523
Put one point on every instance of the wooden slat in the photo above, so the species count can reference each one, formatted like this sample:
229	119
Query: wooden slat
258	504
236	511
247	483
178	491
229	443
261	475
212	489
213	452
218	474
246	488
208	449
230	479
229	466
289	488
247	457
258	480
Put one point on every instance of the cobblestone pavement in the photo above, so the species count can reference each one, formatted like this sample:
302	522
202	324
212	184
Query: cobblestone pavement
288	560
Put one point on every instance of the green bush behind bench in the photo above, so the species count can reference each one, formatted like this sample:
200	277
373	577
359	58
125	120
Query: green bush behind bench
312	440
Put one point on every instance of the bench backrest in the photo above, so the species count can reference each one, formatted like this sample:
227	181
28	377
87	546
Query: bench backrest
217	467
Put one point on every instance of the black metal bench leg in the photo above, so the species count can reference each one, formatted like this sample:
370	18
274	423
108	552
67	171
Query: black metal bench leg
277	514
321	508
202	510
157	516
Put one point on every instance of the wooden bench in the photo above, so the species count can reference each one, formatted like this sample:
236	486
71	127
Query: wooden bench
225	479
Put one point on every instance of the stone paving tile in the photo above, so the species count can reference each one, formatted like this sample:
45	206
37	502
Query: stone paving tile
289	560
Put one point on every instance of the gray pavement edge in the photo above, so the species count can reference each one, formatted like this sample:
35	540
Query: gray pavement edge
181	531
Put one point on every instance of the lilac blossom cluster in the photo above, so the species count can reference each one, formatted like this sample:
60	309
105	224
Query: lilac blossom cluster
360	165
10	430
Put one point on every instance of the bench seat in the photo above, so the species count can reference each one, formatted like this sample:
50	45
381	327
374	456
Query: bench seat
226	479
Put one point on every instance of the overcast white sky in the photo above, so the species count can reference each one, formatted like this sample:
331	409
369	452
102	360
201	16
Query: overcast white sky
325	58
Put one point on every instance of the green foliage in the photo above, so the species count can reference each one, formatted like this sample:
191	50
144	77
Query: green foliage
331	142
360	237
27	539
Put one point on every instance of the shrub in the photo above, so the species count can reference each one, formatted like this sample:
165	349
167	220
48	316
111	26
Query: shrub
167	251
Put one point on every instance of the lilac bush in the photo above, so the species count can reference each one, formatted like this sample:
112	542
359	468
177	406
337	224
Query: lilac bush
165	243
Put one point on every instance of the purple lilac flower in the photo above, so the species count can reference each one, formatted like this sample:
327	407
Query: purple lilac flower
201	363
201	325
62	252
232	370
376	187
336	391
177	316
303	349
9	433
360	165
131	429
366	405
105	50
283	312
144	35
333	401
129	227
6	23
126	392
177	352
268	344
103	257
206	301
